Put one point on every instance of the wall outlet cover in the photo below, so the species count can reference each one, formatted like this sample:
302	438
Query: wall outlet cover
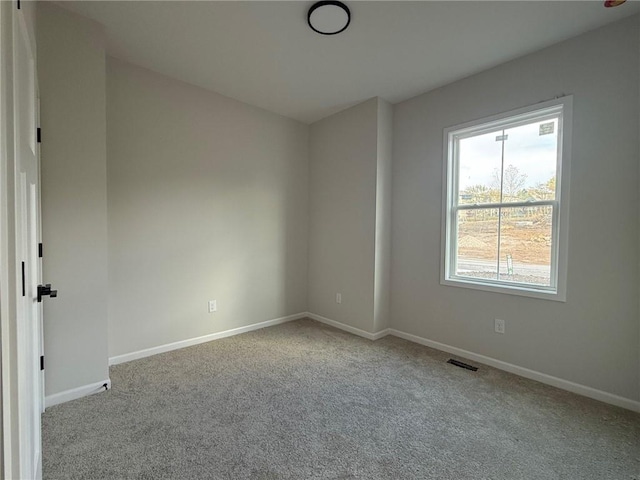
213	306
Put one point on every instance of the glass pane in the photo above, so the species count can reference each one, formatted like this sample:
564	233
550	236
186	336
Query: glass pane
477	243
530	162
525	245
479	161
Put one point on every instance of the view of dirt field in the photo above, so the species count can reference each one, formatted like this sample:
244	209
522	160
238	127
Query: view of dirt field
525	244
526	240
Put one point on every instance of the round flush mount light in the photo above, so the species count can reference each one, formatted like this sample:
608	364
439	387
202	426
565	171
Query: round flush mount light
329	17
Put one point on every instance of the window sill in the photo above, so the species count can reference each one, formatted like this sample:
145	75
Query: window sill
522	291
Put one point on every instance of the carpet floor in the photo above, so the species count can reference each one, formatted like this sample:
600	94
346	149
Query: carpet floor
306	401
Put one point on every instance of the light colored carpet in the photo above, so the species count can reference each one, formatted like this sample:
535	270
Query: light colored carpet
303	400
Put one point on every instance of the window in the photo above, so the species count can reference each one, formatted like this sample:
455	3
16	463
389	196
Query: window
506	198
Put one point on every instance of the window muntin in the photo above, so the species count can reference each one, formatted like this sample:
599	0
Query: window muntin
502	218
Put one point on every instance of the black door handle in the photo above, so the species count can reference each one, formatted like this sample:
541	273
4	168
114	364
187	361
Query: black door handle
46	290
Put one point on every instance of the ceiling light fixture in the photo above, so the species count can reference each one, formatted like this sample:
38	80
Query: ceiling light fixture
329	17
613	3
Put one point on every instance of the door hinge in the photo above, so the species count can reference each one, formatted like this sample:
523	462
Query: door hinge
39	135
40	250
41	362
24	283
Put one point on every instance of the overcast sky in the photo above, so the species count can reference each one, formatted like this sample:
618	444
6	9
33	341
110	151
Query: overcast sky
533	154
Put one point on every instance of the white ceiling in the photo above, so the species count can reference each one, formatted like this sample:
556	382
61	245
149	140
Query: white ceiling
263	53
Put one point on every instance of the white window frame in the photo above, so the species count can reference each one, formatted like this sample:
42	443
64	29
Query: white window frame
560	220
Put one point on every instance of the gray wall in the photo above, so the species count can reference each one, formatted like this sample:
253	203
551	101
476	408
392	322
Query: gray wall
382	274
592	339
71	70
207	200
349	215
342	215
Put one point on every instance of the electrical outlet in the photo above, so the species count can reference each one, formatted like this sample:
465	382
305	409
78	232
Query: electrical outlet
499	325
213	306
338	298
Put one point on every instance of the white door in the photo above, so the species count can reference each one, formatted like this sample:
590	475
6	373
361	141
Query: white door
29	312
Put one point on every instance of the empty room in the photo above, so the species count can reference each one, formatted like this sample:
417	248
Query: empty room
320	240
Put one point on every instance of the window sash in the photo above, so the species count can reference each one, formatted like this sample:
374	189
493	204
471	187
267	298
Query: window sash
453	246
483	206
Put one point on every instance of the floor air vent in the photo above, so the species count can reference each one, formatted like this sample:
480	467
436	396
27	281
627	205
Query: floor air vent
457	363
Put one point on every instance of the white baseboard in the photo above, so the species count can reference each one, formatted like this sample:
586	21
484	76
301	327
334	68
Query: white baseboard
349	328
127	357
583	390
499	364
76	393
525	372
381	334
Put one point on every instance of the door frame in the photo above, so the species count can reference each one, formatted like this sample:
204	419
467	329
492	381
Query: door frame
7	247
10	451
